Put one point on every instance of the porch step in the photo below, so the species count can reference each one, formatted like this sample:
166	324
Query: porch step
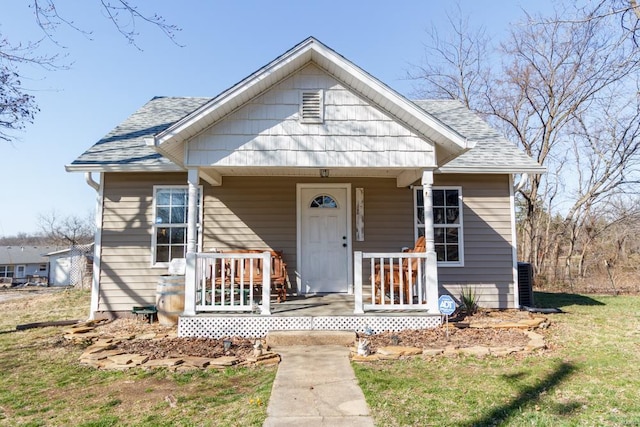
315	337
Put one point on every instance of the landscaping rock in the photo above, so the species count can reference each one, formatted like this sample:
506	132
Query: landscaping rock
197	362
355	357
399	351
224	361
100	355
163	363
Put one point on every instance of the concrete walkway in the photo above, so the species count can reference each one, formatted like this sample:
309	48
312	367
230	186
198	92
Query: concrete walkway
316	386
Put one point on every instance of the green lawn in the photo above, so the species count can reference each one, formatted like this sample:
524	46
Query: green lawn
590	376
42	383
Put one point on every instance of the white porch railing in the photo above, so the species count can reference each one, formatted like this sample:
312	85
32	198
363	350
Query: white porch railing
227	282
398	281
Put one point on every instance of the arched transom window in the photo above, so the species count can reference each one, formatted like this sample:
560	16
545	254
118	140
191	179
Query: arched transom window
323	201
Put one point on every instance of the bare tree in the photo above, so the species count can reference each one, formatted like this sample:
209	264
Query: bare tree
455	66
123	14
71	230
17	105
555	71
626	12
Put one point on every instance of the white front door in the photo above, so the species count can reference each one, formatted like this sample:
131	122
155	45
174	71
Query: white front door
324	249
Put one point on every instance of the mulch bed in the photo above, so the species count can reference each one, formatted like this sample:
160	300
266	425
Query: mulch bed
242	347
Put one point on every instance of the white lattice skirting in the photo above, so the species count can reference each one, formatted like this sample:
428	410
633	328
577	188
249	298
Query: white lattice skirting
255	326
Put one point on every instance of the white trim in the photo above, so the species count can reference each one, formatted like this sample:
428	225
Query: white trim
415	189
97	250
492	170
118	168
154	264
514	244
320	185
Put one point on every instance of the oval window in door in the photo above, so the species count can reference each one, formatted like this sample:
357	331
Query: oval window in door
323	201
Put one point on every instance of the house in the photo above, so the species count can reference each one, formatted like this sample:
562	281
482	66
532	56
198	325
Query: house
312	156
24	264
71	266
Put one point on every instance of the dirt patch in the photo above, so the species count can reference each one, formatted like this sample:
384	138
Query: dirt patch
198	347
460	338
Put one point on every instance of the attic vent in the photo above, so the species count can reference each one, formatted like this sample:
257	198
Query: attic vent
311	108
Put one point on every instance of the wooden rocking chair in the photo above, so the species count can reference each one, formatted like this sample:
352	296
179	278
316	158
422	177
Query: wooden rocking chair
398	277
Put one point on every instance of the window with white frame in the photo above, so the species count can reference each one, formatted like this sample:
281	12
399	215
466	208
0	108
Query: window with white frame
447	222
6	271
170	210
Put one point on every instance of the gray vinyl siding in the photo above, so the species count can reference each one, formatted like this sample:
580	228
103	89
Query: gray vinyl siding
260	213
488	252
127	278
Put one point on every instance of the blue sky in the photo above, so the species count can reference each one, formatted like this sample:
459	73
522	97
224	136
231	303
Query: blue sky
224	41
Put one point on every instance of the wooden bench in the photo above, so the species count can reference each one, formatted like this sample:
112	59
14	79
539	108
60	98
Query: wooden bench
147	311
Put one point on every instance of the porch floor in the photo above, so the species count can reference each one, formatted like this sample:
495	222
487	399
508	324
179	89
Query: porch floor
306	312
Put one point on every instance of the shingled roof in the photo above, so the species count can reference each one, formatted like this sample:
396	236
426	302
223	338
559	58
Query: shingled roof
493	153
15	255
124	148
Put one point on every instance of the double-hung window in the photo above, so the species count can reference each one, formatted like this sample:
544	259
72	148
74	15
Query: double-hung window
447	223
170	210
6	270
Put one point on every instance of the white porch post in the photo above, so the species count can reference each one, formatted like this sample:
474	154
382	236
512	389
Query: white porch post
192	247
431	274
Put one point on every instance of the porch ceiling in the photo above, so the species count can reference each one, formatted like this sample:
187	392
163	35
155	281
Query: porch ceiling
403	176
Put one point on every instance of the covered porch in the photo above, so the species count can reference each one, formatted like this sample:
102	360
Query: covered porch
232	292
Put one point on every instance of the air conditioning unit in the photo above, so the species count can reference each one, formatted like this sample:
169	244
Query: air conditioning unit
525	284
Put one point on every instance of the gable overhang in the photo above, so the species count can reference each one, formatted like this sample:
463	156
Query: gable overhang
171	142
493	170
99	167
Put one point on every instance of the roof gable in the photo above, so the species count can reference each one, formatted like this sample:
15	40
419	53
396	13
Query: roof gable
154	137
170	141
269	132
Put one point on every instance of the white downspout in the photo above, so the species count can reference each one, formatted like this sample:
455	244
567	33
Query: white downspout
91	182
97	245
514	242
524	178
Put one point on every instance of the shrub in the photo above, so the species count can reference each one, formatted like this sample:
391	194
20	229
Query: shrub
469	300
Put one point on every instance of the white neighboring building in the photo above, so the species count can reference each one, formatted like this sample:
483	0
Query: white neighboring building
71	266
